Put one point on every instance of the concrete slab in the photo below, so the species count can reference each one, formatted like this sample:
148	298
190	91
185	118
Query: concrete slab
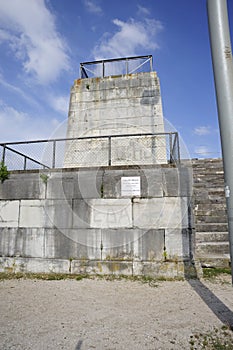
9	213
111	213
22	186
73	244
177	243
167	212
32	213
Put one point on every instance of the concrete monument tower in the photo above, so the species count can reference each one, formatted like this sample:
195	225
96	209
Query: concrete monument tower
116	112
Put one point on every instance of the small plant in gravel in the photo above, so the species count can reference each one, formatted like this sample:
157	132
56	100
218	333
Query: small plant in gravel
215	271
217	339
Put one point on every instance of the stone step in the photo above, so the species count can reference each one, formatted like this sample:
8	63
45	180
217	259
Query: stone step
212	207
211	212
210	248
202	237
215	260
209	200
205	185
208	171
211	227
199	219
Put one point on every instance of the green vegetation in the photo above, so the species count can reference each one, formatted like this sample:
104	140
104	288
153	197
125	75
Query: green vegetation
151	281
214	272
217	339
4	173
44	178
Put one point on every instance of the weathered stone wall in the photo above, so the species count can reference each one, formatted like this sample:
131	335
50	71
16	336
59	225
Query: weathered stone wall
78	221
116	105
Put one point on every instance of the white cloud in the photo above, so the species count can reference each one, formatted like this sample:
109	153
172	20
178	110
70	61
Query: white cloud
60	104
130	37
203	151
29	29
92	7
202	130
143	11
20	126
16	90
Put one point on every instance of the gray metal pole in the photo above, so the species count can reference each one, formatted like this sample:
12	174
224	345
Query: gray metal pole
223	76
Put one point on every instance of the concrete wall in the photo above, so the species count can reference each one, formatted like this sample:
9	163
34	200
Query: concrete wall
79	221
116	105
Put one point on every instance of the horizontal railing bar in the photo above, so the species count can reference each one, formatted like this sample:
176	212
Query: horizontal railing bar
116	59
87	137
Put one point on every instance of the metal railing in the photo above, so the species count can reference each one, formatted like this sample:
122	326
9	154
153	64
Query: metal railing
111	150
116	66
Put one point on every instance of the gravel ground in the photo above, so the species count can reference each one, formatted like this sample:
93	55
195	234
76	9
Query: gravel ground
101	314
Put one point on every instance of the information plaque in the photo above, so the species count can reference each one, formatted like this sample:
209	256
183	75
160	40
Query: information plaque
131	186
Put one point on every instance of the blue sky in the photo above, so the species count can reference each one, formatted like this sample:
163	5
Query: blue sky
42	43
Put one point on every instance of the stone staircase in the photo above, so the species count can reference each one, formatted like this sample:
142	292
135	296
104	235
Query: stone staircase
211	238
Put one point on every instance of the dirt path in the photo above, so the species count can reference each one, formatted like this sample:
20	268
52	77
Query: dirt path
100	314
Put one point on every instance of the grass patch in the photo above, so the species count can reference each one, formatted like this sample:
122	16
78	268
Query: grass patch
151	281
39	276
211	272
216	339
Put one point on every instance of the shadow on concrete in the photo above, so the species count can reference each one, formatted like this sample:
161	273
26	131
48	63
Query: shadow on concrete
79	345
224	314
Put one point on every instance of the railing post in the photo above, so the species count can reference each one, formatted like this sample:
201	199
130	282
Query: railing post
25	163
151	64
170	146
109	151
127	66
103	69
54	153
3	154
178	147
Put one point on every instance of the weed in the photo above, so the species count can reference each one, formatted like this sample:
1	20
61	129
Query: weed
4	173
214	271
216	339
44	178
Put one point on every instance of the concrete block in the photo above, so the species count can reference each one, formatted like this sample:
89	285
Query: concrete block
167	212
150	245
73	244
58	213
37	265
25	185
32	213
88	183
30	242
178	181
111	213
119	244
102	267
22	242
129	244
8	245
177	243
9	213
81	213
34	265
60	185
152	185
